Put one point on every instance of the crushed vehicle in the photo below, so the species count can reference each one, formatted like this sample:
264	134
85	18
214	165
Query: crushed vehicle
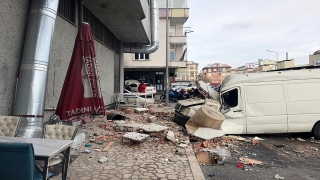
270	102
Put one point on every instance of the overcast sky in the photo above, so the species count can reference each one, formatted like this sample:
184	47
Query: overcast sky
236	32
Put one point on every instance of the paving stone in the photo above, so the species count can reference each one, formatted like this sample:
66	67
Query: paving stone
160	175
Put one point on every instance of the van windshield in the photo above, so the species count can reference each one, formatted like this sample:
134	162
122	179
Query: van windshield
230	98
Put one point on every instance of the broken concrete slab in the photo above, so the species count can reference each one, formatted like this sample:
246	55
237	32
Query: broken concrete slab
170	136
141	110
207	133
153	127
135	136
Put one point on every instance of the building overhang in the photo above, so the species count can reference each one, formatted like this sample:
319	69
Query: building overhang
122	17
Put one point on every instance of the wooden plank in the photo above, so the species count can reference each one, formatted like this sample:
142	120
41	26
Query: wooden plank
109	145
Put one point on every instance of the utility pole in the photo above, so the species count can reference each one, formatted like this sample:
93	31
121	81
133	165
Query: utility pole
167	55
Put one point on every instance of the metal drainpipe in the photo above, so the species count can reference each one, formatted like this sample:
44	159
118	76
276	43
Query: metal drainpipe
31	89
154	33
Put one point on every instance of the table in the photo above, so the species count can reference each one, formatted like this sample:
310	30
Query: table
45	149
132	95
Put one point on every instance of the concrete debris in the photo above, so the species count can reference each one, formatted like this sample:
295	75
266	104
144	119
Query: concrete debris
277	176
103	159
257	138
135	136
207	133
250	161
141	110
299	139
153	128
170	136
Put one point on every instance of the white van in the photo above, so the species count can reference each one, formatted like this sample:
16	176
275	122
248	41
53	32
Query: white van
272	102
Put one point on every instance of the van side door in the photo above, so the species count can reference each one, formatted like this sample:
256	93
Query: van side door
233	110
266	108
303	104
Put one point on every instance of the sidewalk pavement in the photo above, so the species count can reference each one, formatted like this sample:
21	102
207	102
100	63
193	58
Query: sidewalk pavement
155	158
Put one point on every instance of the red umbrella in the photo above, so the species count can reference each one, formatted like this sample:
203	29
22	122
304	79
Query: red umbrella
81	92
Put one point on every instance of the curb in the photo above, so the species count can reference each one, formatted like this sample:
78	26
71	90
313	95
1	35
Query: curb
194	165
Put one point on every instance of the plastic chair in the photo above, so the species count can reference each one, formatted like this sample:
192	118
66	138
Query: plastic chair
9	125
17	162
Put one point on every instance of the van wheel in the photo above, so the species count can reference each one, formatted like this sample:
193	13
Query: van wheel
163	98
316	130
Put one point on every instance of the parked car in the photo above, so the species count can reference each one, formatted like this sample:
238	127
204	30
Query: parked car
135	83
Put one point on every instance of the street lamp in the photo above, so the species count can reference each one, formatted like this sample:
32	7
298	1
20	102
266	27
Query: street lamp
277	57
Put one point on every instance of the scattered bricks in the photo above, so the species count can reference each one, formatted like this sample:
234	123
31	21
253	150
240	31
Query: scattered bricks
129	110
119	128
141	110
107	112
152	119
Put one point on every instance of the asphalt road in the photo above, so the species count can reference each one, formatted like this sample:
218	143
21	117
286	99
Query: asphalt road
290	158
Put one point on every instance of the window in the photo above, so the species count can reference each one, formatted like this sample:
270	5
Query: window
209	70
214	70
172	54
223	69
172	30
66	9
230	98
140	56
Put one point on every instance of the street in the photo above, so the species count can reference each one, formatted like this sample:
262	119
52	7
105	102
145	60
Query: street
280	154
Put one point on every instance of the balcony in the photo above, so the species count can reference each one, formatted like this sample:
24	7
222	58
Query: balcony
178	40
177	64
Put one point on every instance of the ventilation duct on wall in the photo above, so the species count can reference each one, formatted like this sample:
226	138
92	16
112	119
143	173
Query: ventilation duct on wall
32	80
154	33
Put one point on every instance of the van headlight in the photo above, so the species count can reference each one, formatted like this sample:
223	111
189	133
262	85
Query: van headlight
185	111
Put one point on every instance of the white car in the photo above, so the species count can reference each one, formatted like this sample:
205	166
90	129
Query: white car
134	86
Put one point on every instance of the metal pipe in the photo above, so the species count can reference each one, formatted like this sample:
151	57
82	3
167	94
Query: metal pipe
167	54
132	48
31	88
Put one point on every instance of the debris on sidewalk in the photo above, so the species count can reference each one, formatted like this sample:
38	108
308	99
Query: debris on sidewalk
103	159
250	161
136	137
277	176
170	136
299	139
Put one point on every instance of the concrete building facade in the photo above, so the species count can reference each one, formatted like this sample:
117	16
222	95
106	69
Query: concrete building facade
113	24
151	68
188	74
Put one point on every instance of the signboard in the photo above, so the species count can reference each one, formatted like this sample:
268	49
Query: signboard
250	65
181	71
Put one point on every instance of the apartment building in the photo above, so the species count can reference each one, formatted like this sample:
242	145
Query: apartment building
188	74
285	64
151	68
116	25
314	59
259	66
216	72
